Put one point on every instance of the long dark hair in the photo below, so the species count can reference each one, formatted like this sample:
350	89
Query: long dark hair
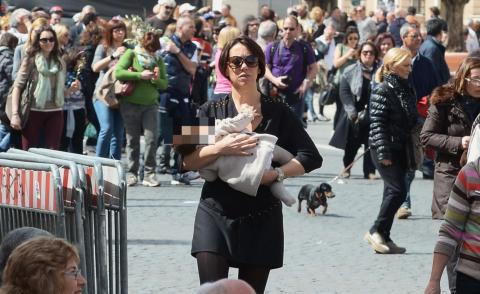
35	46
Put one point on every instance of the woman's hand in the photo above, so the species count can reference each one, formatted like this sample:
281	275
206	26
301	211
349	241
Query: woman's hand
16	122
119	51
351	53
465	142
146	75
236	144
386	162
433	287
269	176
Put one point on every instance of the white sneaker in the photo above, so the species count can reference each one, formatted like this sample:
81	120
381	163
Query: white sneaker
151	181
377	242
131	180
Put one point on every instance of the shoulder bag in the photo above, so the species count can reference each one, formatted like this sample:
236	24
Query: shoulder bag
26	96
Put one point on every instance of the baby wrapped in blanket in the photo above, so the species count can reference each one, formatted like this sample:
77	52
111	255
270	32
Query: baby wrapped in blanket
244	173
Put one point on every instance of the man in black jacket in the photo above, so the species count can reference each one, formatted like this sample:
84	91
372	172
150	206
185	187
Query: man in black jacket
434	50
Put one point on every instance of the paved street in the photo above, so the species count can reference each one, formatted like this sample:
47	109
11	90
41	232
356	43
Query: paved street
323	254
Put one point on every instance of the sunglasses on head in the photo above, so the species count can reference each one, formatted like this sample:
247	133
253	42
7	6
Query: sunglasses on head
45	40
237	61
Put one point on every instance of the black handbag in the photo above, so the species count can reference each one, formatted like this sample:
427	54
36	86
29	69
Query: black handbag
330	93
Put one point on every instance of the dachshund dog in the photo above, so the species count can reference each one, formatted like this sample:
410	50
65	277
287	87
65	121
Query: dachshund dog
315	197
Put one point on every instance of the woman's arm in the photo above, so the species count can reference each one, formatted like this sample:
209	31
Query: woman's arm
379	134
298	142
339	59
438	265
434	132
161	81
100	61
347	98
121	69
452	229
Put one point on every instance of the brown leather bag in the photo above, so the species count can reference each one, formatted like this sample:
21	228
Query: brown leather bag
26	97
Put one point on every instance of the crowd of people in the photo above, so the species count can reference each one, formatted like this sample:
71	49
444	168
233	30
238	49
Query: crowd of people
130	77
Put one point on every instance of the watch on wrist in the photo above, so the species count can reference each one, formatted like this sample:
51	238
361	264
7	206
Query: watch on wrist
112	57
281	174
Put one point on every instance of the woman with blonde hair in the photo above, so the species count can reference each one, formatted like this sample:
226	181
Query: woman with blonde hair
393	116
63	36
43	265
317	27
223	85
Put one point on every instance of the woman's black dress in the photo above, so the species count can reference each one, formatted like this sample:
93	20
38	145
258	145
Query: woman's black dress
249	230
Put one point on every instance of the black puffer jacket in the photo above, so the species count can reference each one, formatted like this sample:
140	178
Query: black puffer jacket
393	115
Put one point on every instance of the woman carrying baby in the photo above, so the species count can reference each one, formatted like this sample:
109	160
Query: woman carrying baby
233	229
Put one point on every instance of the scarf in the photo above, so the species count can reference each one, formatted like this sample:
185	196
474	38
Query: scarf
470	105
406	96
43	91
146	60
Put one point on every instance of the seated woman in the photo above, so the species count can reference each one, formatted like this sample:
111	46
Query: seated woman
43	265
233	229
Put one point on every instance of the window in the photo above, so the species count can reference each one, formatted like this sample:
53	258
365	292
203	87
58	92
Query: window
420	5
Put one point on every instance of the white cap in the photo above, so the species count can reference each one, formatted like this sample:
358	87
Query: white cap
186	7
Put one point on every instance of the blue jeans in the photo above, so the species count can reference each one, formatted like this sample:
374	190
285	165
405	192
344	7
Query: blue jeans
309	101
4	138
409	176
110	137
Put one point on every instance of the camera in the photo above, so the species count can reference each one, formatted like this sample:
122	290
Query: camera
286	80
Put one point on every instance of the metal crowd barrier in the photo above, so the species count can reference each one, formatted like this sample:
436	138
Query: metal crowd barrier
31	194
106	219
73	196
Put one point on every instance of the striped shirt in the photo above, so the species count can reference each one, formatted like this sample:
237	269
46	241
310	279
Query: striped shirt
462	221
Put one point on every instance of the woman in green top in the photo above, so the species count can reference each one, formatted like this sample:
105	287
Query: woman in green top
139	110
345	55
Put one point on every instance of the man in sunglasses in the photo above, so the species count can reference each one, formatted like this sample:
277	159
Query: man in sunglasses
291	67
163	14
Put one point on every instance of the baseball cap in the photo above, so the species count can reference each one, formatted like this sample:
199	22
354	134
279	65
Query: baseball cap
56	9
186	7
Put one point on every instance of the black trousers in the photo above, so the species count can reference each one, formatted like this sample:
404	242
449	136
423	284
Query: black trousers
394	191
75	143
354	141
467	284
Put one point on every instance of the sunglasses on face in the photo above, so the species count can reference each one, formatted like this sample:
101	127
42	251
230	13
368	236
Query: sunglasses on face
45	40
367	52
237	61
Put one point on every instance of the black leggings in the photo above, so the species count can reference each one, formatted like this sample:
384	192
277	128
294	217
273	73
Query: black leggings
213	267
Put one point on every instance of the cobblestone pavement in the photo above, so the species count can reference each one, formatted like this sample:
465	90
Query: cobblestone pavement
323	254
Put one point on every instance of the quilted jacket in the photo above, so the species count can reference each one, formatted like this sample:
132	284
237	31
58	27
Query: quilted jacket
390	126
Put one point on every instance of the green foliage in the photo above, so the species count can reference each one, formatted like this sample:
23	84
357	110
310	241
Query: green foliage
138	27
